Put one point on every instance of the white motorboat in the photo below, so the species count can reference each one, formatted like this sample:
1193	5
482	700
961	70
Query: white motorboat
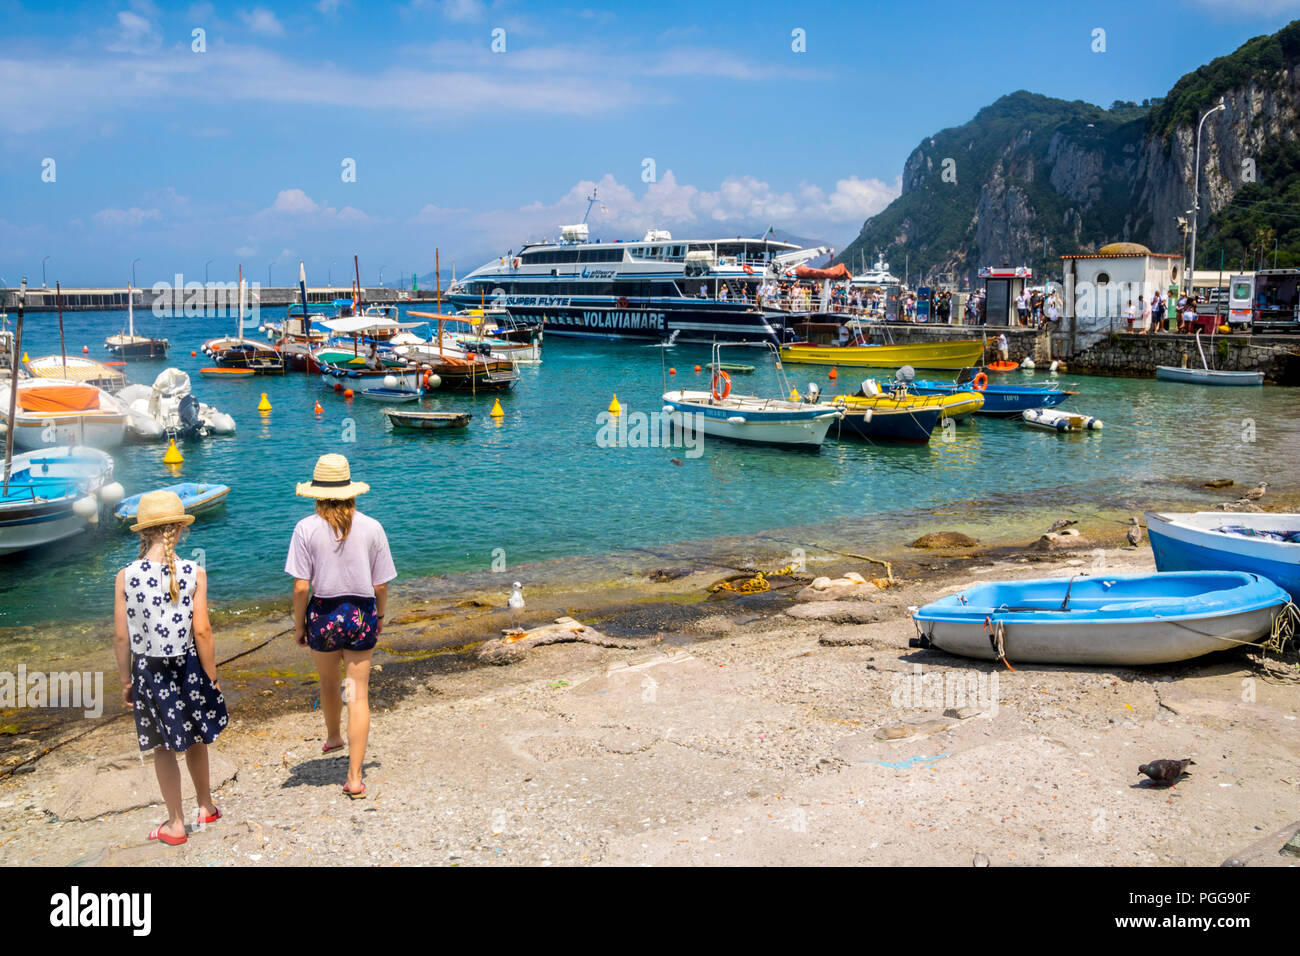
52	494
54	412
168	409
749	418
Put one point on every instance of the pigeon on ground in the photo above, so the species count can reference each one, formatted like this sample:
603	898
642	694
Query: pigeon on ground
1256	493
1166	771
1134	532
1060	524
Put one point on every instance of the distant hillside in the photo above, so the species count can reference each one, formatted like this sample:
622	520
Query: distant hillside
1038	177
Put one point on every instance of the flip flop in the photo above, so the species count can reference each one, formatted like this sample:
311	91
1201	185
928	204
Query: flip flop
327	749
157	834
355	794
204	818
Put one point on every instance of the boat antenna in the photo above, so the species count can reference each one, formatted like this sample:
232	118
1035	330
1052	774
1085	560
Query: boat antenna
591	201
13	383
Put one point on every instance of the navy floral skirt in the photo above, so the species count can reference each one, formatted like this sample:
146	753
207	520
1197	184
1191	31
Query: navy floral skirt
342	624
176	705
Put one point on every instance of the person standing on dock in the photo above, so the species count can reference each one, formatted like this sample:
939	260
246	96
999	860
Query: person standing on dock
341	566
1003	346
167	659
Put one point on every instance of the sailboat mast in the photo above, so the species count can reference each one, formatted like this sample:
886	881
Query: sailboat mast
63	349
302	287
13	383
437	287
130	311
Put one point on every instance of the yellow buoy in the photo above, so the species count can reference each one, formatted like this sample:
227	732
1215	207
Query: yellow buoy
264	405
614	407
794	395
173	454
497	410
25	359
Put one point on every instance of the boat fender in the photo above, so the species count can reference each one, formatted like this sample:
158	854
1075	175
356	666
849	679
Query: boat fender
736	420
981	381
111	493
721	385
668	409
1062	425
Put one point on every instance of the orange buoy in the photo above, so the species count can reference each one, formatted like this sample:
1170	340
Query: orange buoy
193	353
318	408
834	374
672	371
338	386
85	350
347	393
697	368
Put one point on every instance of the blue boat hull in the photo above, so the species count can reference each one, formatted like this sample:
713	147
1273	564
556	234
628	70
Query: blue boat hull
1174	555
1005	400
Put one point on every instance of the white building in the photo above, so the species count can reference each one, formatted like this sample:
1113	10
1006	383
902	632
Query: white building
1100	285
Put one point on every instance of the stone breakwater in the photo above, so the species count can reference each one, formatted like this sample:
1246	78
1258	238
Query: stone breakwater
1126	353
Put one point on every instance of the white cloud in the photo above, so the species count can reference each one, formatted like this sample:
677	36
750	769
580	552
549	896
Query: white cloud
134	34
261	21
293	201
126	218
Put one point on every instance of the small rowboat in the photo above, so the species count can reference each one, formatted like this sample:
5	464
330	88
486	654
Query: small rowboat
1108	620
1207	376
1267	544
226	372
426	421
381	393
1002	366
736	369
197	498
1055	420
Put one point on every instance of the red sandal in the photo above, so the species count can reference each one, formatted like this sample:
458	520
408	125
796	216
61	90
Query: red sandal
204	818
355	794
157	834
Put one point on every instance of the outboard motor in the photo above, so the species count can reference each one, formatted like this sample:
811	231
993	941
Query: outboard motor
814	393
906	374
188	414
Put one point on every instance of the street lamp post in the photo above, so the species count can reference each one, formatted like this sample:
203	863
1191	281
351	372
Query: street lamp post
133	262
44	285
1196	191
268	273
329	274
381	277
205	271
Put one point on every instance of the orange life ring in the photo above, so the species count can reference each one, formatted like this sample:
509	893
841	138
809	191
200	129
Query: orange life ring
515	263
622	302
725	379
981	381
749	270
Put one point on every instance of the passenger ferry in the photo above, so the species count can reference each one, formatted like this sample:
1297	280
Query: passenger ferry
660	289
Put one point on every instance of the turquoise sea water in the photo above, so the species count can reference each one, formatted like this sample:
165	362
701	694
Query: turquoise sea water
538	485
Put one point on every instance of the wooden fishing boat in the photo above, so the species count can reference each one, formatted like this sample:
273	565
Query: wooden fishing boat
75	368
196	497
128	345
1267	544
228	373
1109	620
426	421
956	405
956	354
1055	420
999	399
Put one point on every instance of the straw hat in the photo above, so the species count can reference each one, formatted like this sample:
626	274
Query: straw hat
332	478
158	508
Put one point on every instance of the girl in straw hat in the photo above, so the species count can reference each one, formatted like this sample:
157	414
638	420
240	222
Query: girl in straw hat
167	660
341	565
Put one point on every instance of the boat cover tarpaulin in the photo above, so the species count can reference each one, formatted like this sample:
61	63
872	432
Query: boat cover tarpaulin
59	398
838	271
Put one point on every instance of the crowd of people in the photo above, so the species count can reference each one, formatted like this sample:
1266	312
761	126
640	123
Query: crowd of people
1157	315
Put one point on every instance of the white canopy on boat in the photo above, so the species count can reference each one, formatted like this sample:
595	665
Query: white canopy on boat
365	323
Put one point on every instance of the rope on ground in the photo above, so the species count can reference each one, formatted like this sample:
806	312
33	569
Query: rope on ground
10	771
889	571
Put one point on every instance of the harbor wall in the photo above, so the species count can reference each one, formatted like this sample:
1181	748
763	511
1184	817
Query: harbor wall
1138	354
212	297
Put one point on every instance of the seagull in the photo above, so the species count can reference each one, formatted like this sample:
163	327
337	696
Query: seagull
1166	771
1134	532
516	601
1255	493
1060	524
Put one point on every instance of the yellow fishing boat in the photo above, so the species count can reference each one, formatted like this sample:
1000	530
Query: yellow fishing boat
956	405
957	354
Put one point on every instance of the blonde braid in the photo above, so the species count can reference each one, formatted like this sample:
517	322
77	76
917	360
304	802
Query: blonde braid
169	535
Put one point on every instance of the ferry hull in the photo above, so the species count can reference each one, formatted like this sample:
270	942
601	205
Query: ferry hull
933	355
702	324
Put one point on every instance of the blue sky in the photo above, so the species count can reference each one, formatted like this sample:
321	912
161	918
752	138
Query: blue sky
235	154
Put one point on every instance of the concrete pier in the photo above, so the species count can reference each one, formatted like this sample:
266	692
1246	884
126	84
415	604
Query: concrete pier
209	296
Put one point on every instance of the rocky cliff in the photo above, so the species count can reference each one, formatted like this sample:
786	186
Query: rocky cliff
1030	178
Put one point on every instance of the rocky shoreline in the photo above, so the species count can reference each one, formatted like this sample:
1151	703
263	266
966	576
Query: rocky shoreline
735	724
